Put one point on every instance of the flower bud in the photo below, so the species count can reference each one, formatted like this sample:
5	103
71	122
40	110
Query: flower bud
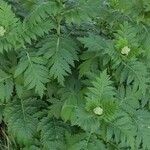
98	111
2	31
125	50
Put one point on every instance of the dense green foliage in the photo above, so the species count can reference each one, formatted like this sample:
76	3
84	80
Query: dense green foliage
74	75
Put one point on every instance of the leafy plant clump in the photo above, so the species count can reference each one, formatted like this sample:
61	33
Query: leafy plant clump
74	75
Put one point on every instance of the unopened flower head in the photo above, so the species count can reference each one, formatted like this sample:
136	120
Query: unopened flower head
2	31
125	50
98	111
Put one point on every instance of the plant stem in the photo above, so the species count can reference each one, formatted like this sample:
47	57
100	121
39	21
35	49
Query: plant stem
58	34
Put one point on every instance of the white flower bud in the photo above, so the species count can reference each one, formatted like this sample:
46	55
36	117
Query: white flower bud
98	111
2	31
125	50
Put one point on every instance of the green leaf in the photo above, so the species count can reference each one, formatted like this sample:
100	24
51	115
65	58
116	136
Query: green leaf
19	114
136	71
52	134
85	120
102	88
143	133
68	108
6	86
93	42
56	104
61	52
84	141
10	24
36	76
35	73
21	68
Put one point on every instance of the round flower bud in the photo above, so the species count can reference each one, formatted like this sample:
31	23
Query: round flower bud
2	31
125	50
98	111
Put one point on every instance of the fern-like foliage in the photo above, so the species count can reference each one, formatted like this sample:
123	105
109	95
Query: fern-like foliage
101	95
61	56
6	86
74	74
126	35
84	141
9	25
143	131
102	89
22	121
99	49
52	133
41	12
34	71
136	72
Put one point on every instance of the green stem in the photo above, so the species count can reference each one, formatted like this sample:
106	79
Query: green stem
23	111
57	46
29	59
88	139
58	34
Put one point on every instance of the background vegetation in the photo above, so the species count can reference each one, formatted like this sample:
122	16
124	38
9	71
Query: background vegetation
74	74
